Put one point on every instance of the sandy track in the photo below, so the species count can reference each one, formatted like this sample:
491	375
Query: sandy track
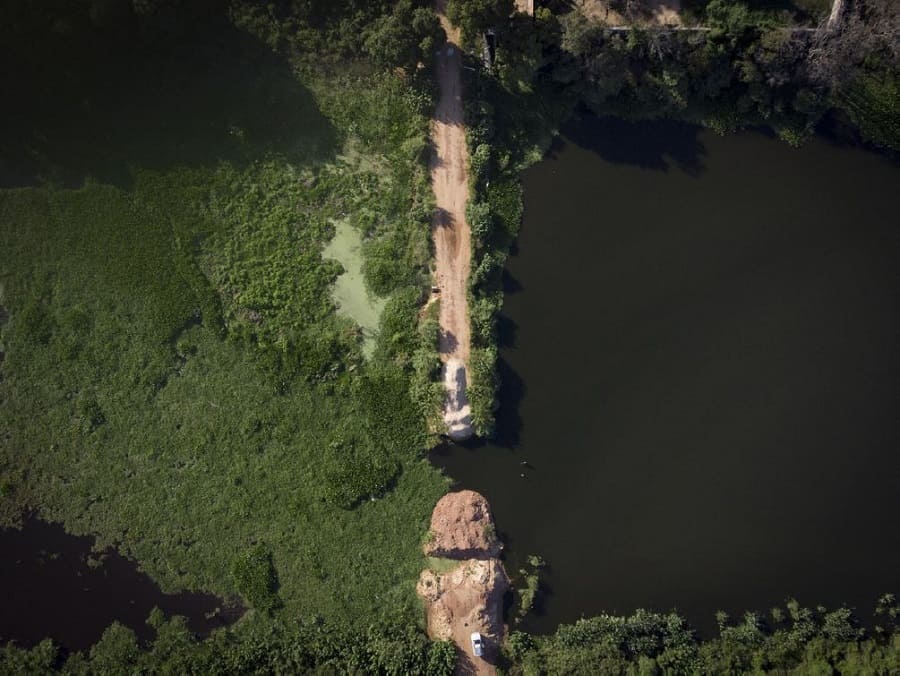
452	238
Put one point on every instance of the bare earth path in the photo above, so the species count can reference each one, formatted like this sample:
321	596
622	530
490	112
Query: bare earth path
452	238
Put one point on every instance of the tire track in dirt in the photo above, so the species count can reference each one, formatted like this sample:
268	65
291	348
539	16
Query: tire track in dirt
450	231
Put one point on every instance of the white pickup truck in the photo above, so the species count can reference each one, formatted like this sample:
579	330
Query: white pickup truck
477	644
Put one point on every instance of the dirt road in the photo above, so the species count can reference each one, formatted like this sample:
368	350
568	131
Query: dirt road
467	599
452	239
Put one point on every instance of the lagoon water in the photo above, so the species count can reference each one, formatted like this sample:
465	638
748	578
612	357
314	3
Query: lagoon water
54	586
701	366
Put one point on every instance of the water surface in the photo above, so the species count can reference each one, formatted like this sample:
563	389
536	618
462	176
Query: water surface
701	369
350	294
53	585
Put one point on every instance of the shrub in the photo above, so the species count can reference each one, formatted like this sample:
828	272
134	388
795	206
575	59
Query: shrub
256	579
358	468
481	221
482	389
441	658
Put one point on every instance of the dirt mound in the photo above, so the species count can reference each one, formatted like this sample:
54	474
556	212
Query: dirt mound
469	596
462	528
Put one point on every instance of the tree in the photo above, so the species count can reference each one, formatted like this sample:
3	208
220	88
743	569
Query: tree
256	579
404	37
474	17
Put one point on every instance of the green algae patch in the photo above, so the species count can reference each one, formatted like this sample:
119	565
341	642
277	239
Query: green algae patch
349	292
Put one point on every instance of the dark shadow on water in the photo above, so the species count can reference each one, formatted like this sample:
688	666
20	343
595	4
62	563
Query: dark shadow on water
511	285
659	145
506	330
509	420
54	586
840	133
146	91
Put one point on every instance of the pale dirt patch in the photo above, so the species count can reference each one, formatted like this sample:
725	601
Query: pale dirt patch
525	6
648	13
468	598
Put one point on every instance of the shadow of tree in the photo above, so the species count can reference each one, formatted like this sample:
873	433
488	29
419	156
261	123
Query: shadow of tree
449	343
509	419
442	218
656	145
102	99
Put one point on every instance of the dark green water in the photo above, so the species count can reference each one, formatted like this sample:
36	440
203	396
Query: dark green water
702	369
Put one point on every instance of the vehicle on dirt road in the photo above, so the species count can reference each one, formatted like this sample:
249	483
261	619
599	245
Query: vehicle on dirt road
477	644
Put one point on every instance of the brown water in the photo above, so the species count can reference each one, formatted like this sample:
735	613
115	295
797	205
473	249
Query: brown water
701	368
54	586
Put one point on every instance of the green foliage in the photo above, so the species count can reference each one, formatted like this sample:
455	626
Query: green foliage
482	388
117	650
483	311
261	647
479	167
475	17
427	388
872	101
255	578
531	577
480	220
41	659
174	371
650	642
645	643
362	469
404	37
441	659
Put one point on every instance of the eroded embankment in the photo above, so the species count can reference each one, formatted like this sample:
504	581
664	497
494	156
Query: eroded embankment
452	239
467	596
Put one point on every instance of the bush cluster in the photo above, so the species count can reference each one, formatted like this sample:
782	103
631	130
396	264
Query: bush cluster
255	578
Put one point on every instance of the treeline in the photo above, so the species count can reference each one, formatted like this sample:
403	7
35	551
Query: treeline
256	648
792	638
751	67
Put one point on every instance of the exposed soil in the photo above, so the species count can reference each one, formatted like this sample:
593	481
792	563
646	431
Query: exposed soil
525	6
469	597
647	12
452	238
462	528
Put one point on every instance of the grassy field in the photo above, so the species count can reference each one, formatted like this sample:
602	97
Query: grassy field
176	379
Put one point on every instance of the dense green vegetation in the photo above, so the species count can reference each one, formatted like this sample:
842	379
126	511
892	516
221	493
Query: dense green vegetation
175	378
263	647
795	639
